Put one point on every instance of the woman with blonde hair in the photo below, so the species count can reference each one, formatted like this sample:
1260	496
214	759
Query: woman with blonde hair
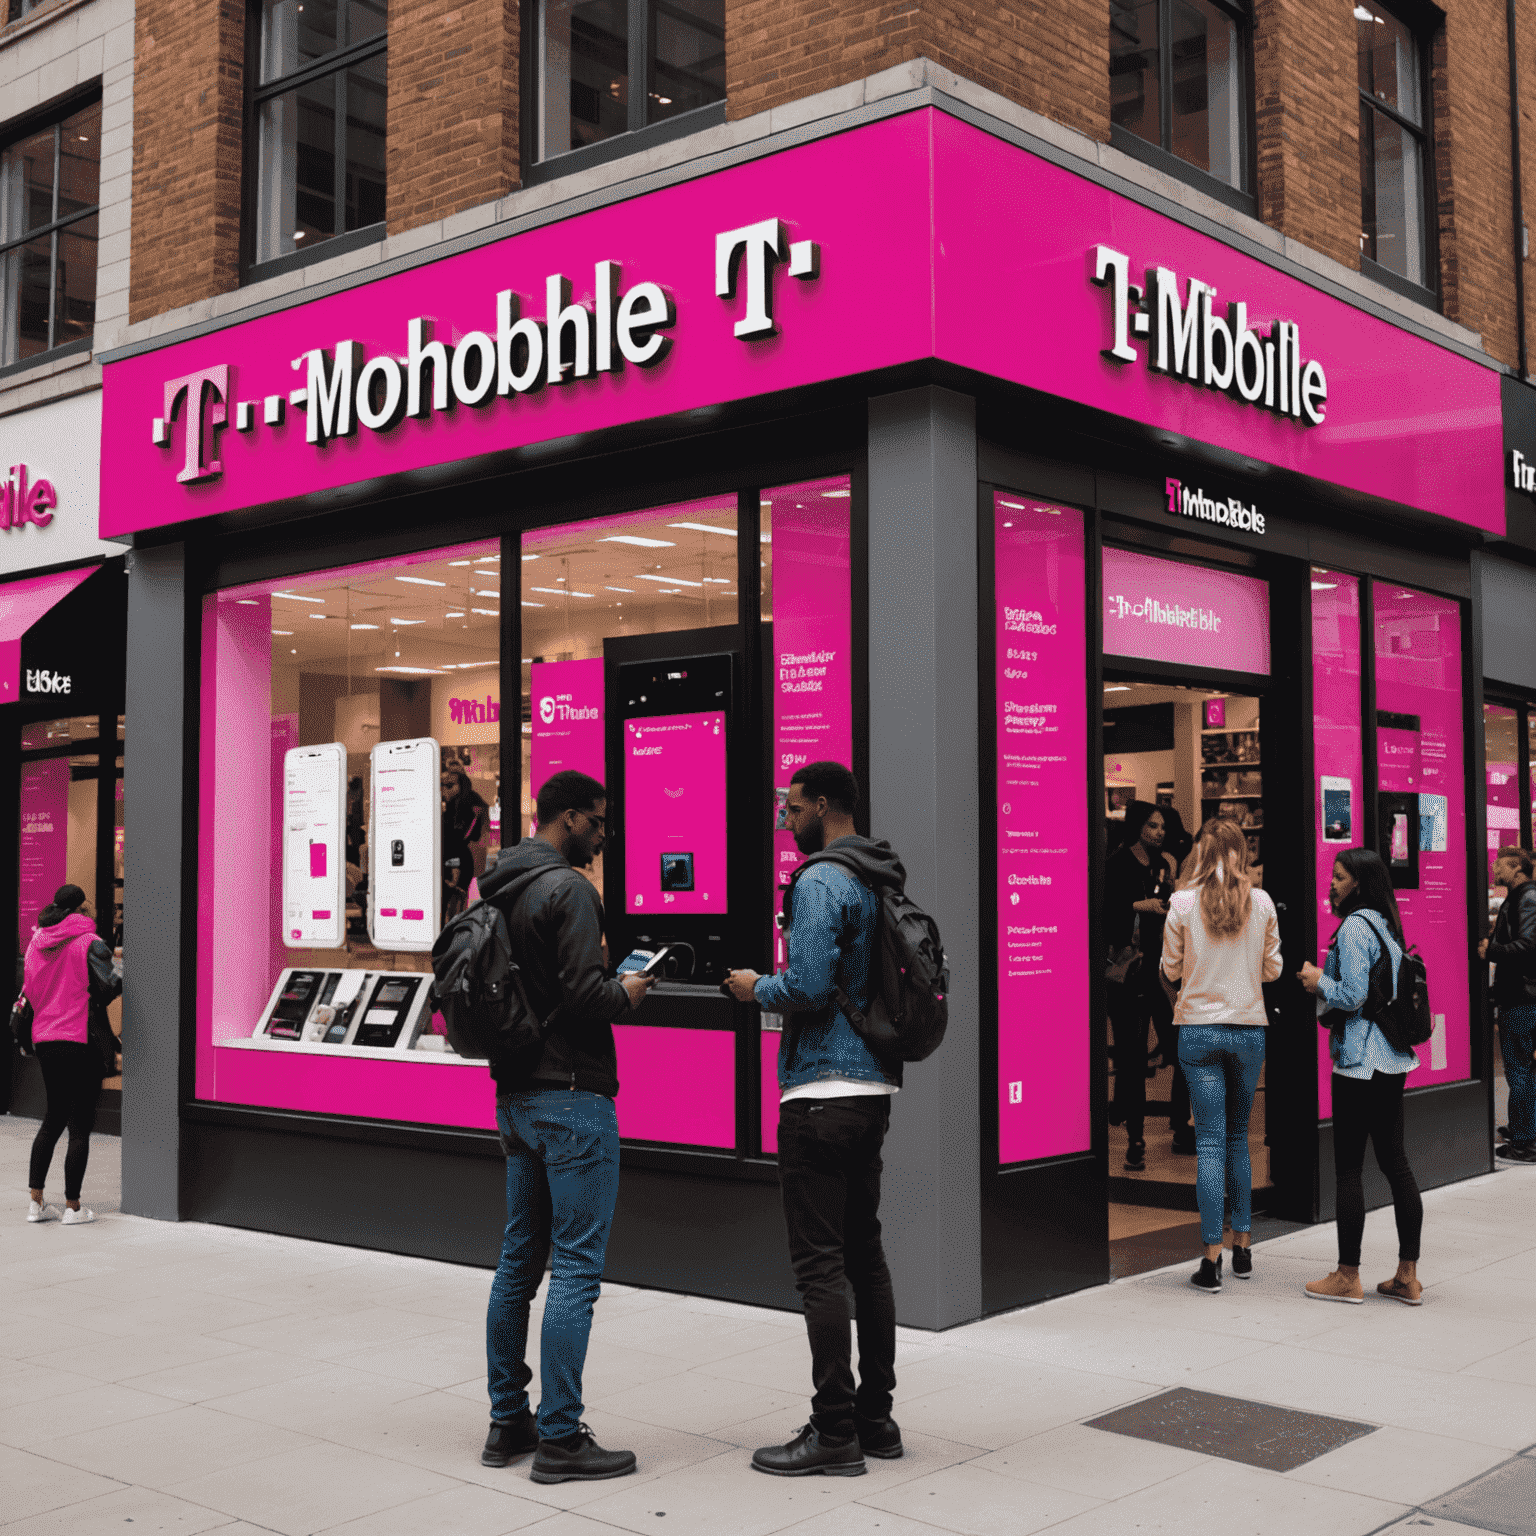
1221	943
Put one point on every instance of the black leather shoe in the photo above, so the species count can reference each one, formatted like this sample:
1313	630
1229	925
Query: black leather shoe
810	1452
1136	1156
1208	1277
879	1437
1242	1262
581	1460
1184	1143
516	1437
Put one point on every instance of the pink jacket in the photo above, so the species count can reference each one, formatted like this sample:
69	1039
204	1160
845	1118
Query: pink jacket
58	978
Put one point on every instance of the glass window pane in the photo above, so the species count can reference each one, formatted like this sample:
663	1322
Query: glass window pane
24	290
296	32
687	56
365	144
1207	90
1388	60
1501	748
80	161
26	185
296	175
1133	67
584	73
1392	216
74	302
365	19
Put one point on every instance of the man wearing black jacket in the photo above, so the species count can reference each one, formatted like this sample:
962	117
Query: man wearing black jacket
560	1134
1513	952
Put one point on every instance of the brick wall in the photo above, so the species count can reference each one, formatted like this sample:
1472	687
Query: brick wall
453	107
187	130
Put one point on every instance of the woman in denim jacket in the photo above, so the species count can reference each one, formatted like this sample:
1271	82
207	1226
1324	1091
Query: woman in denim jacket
1368	1076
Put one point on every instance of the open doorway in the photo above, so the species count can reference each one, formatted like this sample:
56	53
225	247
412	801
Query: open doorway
1174	757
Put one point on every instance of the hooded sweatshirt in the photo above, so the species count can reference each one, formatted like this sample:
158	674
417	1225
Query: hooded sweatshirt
67	968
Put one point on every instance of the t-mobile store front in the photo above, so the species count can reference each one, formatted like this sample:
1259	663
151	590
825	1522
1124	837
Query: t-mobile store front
826	453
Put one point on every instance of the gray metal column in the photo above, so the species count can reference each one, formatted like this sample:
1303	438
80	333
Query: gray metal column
154	793
923	796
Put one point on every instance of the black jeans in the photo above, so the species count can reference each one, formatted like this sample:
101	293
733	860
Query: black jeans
1128	1025
1373	1108
72	1076
829	1171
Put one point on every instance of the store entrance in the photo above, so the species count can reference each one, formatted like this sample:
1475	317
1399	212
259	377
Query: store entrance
1174	757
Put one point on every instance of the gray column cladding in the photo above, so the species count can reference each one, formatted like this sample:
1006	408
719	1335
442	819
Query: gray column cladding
923	796
1509	622
154	792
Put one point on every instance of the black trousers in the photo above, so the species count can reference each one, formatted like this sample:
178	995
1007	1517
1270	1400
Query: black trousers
1373	1108
1128	1027
72	1076
829	1172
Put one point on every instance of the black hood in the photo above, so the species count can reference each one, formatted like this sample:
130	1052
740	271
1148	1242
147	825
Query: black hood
875	863
531	854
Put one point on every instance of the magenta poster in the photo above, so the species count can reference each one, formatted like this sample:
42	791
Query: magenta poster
44	839
1420	753
1167	610
567	705
1043	1034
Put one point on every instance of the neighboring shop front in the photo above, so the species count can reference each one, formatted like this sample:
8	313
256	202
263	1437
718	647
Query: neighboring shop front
63	616
823	454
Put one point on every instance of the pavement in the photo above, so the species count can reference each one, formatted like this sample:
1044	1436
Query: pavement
194	1378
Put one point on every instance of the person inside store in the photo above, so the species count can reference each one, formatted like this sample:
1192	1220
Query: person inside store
560	1133
1512	949
69	979
1138	879
834	1112
1369	1074
464	816
357	835
1221	943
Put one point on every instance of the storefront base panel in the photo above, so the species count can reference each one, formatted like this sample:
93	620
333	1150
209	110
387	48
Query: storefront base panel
1045	1232
1446	1136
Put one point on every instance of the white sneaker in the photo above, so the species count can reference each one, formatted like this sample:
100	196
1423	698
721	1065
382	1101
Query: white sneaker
78	1218
37	1211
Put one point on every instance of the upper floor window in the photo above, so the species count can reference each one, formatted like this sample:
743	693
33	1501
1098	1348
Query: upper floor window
16	9
319	106
1178	76
608	67
49	188
1394	148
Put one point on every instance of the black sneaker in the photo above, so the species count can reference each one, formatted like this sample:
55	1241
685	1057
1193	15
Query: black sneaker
578	1458
1208	1277
1503	1131
879	1437
1242	1262
515	1437
1136	1156
1184	1143
810	1452
1518	1152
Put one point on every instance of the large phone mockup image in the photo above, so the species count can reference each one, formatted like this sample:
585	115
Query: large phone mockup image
405	859
314	846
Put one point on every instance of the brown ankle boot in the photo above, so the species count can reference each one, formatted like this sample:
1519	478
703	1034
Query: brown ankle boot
1337	1287
1409	1292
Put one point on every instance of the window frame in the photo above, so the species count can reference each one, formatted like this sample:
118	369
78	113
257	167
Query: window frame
54	116
1160	156
337	62
638	135
1421	25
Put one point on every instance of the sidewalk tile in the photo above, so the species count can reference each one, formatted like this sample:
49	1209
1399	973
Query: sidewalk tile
1391	1332
698	1403
438	1359
464	1511
112	1513
33	1485
323	1338
1420	1524
118	1359
859	1520
1082	1460
310	1404
101	1404
691	1338
224	1375
1400	1464
29	1381
1517	1364
979	1503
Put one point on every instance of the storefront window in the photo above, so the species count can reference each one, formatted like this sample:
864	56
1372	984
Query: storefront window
1501	749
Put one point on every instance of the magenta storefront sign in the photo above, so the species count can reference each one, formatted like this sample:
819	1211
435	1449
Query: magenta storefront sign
874	248
1168	610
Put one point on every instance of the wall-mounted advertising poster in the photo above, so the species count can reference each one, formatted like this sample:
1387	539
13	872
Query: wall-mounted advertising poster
44	839
405	856
566	701
1043	850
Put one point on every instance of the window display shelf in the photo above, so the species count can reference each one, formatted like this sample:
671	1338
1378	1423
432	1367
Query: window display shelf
420	1052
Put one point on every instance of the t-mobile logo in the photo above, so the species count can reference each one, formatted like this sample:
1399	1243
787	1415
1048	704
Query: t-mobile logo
1191	501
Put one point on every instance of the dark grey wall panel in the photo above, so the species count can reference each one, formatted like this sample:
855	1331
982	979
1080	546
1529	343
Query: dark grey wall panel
155	791
1509	622
923	791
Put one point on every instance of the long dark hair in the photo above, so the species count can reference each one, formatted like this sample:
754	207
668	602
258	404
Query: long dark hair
67	899
1373	888
1137	814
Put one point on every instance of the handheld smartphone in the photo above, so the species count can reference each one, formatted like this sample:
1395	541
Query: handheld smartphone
644	962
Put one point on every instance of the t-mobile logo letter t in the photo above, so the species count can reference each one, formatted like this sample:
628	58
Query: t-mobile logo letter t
202	412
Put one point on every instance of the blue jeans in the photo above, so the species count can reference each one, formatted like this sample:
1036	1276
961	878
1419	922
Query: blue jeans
1222	1064
562	1147
1517	1039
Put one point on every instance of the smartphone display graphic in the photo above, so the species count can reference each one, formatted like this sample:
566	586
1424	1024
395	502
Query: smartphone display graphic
674	814
1338	810
314	826
405	846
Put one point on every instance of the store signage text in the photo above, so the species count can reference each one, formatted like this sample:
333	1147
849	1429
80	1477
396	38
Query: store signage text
1522	472
486	711
40	680
344	389
22	503
1191	501
1192	342
559	707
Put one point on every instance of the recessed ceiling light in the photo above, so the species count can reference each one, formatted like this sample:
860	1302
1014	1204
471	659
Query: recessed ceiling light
457	614
425	581
282	631
670	581
319	615
671	591
488	573
721	581
1116	688
730	533
413	671
527	604
248	602
465	666
365	626
530	557
299	597
1324	586
490	613
549	591
407	621
628	591
639	543
835	495
461	562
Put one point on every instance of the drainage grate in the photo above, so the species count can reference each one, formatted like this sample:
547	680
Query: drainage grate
1258	1434
1502	1500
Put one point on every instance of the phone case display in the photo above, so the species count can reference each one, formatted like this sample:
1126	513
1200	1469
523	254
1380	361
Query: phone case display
361	1011
405	896
314	850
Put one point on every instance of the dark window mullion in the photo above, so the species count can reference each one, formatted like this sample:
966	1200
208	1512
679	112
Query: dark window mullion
1165	74
48	229
339	149
639	62
1397	117
339	59
53	239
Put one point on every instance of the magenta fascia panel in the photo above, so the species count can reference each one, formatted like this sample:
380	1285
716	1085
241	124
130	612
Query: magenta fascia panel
1041	830
676	1085
919	258
768	1087
1168	610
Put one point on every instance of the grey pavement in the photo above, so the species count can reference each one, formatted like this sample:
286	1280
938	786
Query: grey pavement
194	1378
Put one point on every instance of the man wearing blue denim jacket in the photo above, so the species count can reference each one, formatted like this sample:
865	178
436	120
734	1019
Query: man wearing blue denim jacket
835	1108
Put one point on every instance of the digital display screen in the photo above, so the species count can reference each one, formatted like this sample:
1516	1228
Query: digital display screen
405	841
674	816
314	855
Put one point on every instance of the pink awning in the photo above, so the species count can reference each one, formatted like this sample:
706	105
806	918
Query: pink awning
22	604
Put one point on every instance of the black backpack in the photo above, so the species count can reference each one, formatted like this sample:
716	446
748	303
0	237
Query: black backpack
478	987
1401	1014
909	978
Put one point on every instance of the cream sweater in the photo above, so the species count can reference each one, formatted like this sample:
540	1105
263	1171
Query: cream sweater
1222	977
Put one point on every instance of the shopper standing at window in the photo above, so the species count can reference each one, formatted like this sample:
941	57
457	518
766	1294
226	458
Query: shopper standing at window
1222	942
560	1134
68	977
464	815
1368	1074
1513	952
